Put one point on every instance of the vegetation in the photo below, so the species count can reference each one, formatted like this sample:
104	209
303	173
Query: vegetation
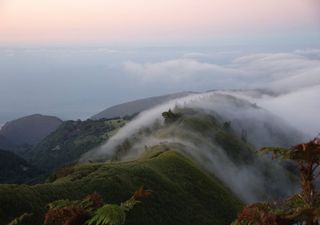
301	208
170	116
195	133
179	188
14	169
195	127
91	210
72	139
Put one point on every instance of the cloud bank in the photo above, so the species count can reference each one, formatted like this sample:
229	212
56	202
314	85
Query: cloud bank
281	72
283	94
291	81
246	180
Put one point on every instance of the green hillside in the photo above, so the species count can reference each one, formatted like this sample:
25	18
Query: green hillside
158	157
182	193
14	169
189	126
217	147
73	138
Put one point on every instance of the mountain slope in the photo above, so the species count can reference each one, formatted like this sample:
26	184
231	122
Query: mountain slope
69	141
5	143
221	133
29	130
14	169
131	108
182	194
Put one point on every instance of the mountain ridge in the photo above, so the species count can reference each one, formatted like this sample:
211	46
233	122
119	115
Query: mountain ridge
133	107
179	188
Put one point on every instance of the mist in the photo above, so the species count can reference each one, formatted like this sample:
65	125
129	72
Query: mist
275	100
299	108
246	180
284	83
78	82
271	95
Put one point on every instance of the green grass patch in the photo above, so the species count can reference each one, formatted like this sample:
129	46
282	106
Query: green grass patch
181	192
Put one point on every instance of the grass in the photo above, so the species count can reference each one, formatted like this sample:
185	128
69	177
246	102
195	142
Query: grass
182	192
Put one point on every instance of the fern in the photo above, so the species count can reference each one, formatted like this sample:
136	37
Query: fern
68	212
115	214
72	215
129	204
91	210
108	215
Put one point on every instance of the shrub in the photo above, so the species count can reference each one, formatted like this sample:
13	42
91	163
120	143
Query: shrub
301	208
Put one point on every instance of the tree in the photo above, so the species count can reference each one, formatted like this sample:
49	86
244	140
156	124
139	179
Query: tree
170	116
301	208
227	125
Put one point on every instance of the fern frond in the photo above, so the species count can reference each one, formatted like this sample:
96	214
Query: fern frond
129	204
108	215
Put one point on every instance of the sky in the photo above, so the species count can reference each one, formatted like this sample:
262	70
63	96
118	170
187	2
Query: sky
74	58
151	21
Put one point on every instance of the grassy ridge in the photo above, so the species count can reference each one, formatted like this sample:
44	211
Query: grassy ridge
182	193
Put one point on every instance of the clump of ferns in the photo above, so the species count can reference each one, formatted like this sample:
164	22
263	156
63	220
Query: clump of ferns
91	210
301	208
66	212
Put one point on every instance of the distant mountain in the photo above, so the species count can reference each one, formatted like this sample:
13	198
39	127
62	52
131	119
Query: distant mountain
14	169
28	130
131	108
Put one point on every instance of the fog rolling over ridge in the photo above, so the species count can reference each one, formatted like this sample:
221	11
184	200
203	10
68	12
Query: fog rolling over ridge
137	106
246	177
260	99
243	114
288	81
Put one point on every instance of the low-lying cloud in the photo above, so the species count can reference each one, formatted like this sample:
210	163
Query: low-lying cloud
291	81
280	72
246	180
189	73
280	109
300	108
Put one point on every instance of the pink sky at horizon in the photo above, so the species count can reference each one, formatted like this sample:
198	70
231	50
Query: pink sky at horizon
96	20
